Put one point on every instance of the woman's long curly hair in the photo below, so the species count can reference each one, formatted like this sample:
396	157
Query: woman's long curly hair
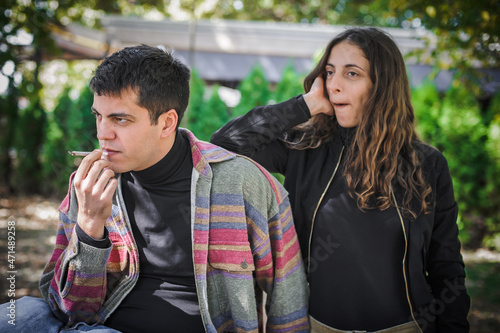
383	152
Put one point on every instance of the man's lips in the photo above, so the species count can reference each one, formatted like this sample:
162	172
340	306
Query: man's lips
110	151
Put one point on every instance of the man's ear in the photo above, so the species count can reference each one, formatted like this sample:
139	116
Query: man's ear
168	121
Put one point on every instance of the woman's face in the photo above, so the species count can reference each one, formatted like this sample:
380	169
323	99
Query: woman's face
348	83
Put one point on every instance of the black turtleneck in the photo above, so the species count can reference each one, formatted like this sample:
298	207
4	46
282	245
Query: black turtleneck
158	205
361	253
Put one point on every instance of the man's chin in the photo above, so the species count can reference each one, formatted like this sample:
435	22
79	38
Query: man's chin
119	168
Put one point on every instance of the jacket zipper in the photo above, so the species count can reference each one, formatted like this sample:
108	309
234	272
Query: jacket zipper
404	260
316	211
402	225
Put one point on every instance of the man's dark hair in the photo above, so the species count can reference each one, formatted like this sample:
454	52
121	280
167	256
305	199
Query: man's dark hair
160	80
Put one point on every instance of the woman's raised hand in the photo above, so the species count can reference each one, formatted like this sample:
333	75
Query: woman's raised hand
316	100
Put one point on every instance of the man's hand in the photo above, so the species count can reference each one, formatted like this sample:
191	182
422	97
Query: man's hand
316	100
94	187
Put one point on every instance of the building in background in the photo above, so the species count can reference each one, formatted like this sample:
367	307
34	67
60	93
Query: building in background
224	51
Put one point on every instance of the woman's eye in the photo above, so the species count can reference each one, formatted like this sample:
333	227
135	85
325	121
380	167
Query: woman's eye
352	74
329	73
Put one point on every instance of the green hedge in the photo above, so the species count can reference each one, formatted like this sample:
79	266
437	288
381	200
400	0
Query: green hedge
465	134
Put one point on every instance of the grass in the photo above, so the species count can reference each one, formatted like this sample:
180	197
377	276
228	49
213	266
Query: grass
483	286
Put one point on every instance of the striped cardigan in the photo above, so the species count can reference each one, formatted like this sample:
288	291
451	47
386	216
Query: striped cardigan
243	239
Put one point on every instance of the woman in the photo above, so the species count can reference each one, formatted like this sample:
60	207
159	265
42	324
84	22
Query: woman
373	205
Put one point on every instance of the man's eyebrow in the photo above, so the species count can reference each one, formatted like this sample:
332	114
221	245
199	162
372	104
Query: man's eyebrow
116	114
120	115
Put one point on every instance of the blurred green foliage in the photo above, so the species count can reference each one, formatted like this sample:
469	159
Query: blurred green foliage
196	99
30	134
9	114
254	91
212	115
460	129
290	85
71	126
483	286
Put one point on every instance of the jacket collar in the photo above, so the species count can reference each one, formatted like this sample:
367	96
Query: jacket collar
205	153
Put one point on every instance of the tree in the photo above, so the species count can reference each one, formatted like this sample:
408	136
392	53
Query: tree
218	114
468	31
81	129
71	126
492	238
8	122
463	141
427	106
19	21
196	95
294	11
455	125
212	115
57	166
290	84
254	91
29	139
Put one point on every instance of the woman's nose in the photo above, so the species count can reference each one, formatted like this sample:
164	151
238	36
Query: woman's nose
335	85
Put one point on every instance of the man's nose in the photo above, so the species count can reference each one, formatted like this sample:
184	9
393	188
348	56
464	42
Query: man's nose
105	130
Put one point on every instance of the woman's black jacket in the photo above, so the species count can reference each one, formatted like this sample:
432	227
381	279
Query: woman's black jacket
434	267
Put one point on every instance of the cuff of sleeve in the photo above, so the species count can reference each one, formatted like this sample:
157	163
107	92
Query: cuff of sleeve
291	113
86	239
304	107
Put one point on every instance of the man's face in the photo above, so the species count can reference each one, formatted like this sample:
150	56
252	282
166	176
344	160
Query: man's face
125	132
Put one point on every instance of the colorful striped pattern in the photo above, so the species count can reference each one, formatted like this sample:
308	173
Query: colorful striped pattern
243	237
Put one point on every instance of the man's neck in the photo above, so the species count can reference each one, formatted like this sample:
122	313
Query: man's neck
166	169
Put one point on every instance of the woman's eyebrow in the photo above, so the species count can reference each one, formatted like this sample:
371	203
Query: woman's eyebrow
348	66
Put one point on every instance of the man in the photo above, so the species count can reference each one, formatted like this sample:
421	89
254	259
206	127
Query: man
161	232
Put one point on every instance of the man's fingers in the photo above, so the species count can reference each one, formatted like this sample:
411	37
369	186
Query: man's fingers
110	189
86	165
104	178
96	171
